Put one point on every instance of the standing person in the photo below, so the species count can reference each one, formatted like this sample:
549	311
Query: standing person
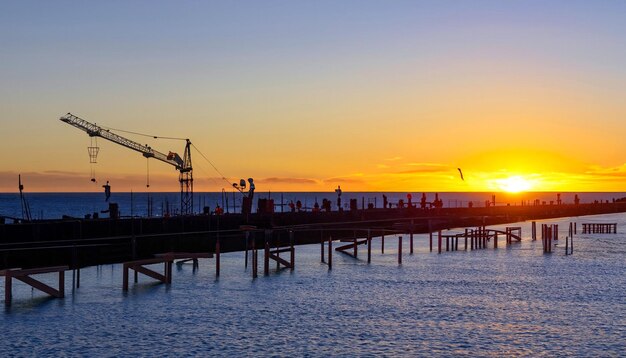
338	191
107	191
252	187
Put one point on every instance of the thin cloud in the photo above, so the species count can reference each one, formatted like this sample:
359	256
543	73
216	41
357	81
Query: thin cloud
427	165
275	180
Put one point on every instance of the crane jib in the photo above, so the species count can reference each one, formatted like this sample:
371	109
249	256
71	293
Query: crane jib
182	165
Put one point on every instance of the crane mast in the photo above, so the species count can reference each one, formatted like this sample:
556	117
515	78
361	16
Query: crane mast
183	165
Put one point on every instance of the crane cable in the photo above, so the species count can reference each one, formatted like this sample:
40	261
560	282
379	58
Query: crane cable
171	138
141	134
214	167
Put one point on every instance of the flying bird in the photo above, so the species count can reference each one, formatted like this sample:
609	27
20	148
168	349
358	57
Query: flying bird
460	172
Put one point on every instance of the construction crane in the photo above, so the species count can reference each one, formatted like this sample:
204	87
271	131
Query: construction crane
183	165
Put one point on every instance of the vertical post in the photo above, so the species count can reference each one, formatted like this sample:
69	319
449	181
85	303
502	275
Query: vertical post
330	252
266	261
575	228
495	240
430	234
355	251
382	244
8	286
169	271
247	235
472	239
456	244
78	277
369	246
411	237
485	235
62	283
125	278
322	245
439	240
293	250
255	257
556	232
465	239
217	257
566	245
534	230
400	250
447	243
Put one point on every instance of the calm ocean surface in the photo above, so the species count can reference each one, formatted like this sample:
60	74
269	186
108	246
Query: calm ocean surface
511	301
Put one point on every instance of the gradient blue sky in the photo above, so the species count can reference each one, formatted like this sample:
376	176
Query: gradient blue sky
378	95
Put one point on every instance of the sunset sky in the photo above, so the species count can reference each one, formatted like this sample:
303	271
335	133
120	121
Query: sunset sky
305	96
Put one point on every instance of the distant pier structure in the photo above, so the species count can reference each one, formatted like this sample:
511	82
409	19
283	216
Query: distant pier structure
603	228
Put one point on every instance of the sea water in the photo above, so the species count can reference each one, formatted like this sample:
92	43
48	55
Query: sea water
513	300
56	205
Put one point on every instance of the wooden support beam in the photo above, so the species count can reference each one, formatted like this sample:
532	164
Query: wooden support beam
280	260
24	276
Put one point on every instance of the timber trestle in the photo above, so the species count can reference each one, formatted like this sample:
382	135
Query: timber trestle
167	259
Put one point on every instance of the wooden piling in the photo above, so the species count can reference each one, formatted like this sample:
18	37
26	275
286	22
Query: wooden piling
369	246
292	241
247	237
217	257
400	250
382	244
255	258
411	242
439	240
266	263
322	245
430	234
465	240
330	252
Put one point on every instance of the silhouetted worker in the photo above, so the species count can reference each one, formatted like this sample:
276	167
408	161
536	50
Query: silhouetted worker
385	201
409	197
338	191
107	191
292	207
252	187
299	205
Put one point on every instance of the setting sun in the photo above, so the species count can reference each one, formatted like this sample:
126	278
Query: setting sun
514	184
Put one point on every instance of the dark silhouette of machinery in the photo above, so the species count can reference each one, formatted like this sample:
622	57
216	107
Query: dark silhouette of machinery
183	165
